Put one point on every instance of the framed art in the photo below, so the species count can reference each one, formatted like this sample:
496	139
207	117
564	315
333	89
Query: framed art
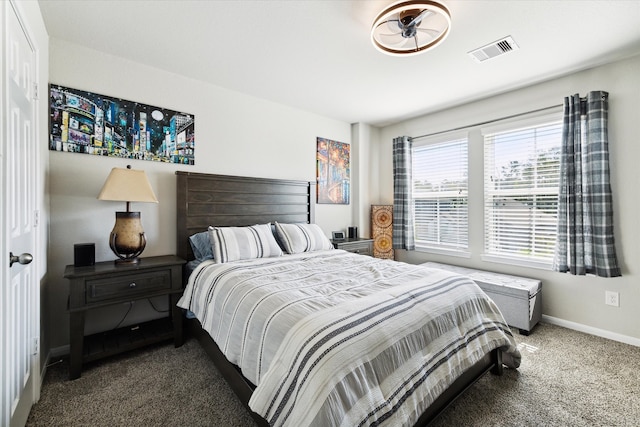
90	123
333	170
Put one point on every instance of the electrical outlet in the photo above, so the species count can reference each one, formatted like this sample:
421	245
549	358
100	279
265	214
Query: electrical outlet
612	298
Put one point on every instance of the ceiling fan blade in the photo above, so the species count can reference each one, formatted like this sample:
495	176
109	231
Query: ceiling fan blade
393	40
426	14
418	19
407	42
429	31
393	24
389	34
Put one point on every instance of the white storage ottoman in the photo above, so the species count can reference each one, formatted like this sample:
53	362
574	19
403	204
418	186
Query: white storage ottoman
518	298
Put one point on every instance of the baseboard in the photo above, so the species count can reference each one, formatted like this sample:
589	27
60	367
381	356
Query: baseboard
53	354
59	351
591	330
43	372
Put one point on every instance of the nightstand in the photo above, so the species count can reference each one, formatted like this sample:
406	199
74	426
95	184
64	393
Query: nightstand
358	246
108	283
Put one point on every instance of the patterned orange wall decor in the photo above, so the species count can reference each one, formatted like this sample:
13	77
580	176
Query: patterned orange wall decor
382	231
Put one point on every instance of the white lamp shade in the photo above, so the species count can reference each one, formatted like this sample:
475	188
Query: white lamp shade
127	185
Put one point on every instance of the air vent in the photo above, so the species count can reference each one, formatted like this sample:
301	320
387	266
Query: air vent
494	49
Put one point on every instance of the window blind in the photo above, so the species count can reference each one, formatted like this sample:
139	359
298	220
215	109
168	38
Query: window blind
522	168
440	175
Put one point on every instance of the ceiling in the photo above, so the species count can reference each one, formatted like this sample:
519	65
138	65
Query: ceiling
316	55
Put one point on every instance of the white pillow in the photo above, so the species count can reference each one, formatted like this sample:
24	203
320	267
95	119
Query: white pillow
297	238
236	243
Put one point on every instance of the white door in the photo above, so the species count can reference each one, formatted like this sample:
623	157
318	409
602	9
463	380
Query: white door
20	302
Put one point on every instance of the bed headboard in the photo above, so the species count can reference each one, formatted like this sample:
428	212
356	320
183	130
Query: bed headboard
225	200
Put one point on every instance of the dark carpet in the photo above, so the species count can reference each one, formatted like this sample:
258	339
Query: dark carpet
567	378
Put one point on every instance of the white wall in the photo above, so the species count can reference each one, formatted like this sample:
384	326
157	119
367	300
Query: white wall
242	135
361	137
236	134
574	301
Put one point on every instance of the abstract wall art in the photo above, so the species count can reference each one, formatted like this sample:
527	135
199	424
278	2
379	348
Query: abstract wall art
333	170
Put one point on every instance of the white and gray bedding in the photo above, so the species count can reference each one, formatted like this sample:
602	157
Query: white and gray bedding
332	338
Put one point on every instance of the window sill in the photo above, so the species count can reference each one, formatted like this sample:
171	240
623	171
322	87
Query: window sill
442	251
522	262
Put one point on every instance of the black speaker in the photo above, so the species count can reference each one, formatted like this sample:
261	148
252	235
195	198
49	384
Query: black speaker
84	254
353	232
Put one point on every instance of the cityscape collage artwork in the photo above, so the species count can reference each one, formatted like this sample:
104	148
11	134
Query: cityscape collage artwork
90	123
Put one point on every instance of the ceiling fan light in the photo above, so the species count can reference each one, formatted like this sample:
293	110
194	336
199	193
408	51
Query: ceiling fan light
400	17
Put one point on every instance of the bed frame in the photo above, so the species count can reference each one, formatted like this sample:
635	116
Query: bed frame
223	200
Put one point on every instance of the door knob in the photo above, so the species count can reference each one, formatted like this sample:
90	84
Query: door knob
22	259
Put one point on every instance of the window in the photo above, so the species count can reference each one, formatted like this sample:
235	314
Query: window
522	168
440	195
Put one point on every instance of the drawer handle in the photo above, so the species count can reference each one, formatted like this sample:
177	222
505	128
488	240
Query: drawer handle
357	251
132	285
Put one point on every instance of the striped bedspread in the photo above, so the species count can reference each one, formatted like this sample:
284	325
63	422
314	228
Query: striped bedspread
332	338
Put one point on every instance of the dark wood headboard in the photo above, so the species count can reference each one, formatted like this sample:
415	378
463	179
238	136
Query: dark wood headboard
224	200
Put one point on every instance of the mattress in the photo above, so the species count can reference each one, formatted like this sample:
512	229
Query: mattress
335	338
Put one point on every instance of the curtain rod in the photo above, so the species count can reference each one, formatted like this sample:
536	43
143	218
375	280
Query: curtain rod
487	122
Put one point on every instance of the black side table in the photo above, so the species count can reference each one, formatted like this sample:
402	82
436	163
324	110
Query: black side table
108	283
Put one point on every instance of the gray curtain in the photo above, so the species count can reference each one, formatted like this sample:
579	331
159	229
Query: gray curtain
402	195
585	210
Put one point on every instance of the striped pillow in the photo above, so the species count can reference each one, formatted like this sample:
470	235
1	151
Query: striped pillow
297	238
236	243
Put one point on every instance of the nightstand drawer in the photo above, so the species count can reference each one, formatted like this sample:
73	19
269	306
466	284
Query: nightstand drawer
126	286
358	246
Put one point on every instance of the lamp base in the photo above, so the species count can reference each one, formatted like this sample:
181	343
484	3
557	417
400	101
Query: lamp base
127	261
127	239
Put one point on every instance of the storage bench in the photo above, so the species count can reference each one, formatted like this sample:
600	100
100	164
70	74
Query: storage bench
518	298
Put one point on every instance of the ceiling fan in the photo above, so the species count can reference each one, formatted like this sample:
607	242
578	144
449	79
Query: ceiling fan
410	27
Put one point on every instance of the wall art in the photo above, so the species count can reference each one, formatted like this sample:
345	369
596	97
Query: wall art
382	231
333	170
86	122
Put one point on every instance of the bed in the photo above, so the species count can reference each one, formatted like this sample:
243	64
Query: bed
293	387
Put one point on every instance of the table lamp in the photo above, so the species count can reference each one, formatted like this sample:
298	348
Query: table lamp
127	239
